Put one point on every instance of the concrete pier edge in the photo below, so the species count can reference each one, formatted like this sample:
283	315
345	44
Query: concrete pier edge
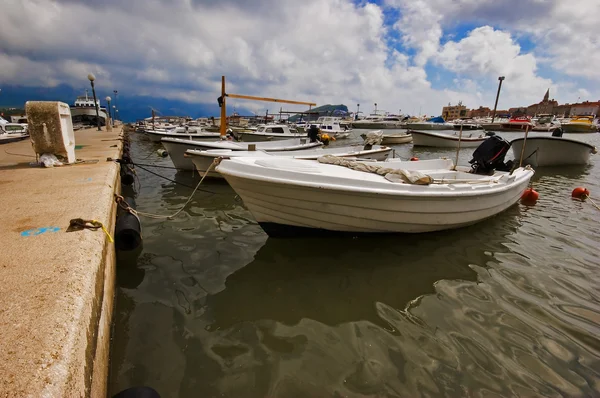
57	289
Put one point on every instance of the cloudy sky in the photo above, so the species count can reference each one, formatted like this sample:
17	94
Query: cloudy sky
408	55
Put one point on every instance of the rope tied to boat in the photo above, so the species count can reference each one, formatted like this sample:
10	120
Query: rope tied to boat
125	206
79	224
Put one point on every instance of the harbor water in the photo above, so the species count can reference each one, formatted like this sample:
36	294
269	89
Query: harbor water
215	308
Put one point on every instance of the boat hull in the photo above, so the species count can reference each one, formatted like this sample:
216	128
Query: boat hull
157	136
552	151
256	137
445	141
578	128
176	149
377	125
396	139
203	163
280	205
429	126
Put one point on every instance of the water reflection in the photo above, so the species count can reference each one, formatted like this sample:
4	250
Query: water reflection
506	307
337	280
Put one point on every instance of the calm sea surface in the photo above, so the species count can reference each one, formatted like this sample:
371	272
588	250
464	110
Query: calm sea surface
507	307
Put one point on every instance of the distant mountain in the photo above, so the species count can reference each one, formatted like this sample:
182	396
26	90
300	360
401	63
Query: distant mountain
324	110
131	108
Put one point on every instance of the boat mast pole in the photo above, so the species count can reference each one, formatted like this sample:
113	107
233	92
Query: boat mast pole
523	149
500	79
223	126
458	147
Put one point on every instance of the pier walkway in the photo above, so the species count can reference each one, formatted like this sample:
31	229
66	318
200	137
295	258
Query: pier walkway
56	287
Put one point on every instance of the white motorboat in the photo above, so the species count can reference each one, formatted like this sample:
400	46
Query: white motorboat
6	138
330	125
552	151
156	135
176	147
83	111
203	159
429	138
379	122
546	122
11	132
435	123
580	124
284	193
268	132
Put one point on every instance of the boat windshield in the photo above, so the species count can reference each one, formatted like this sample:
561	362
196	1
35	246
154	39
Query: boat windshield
545	119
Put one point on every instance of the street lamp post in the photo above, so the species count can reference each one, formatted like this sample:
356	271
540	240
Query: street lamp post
357	110
500	79
376	108
108	108
115	114
116	102
91	78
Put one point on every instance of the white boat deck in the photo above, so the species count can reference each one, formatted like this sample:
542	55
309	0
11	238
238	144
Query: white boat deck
317	175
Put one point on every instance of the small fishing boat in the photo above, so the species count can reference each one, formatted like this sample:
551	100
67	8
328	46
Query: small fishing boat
552	151
440	140
393	139
203	159
268	132
580	124
157	136
332	194
176	147
435	123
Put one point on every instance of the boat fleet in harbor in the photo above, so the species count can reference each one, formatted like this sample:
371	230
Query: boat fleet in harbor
291	180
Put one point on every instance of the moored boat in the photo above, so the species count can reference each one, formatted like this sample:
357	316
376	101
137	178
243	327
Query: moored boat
435	123
288	194
268	132
156	136
176	147
432	139
393	139
203	159
580	124
552	151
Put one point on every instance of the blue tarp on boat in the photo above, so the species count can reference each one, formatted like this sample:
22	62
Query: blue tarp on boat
438	119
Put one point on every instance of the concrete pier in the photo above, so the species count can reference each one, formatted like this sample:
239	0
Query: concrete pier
56	287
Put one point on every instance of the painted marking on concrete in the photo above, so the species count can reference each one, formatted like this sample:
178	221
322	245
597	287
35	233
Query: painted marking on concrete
80	146
39	231
85	179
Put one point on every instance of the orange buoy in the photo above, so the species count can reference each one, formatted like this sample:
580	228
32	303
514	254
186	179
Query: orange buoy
529	197
414	159
580	193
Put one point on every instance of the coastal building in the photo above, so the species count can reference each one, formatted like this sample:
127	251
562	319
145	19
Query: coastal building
516	112
480	112
546	106
585	108
452	112
562	110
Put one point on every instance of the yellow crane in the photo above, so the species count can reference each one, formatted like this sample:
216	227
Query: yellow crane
223	128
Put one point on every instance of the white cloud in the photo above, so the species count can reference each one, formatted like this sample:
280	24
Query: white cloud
487	53
328	51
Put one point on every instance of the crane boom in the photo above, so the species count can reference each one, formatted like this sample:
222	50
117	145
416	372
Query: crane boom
222	104
249	97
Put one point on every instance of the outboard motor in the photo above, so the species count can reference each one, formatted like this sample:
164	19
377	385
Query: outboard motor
313	133
489	156
558	132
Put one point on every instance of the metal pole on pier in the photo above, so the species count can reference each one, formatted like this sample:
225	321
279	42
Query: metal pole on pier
91	78
501	78
223	126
